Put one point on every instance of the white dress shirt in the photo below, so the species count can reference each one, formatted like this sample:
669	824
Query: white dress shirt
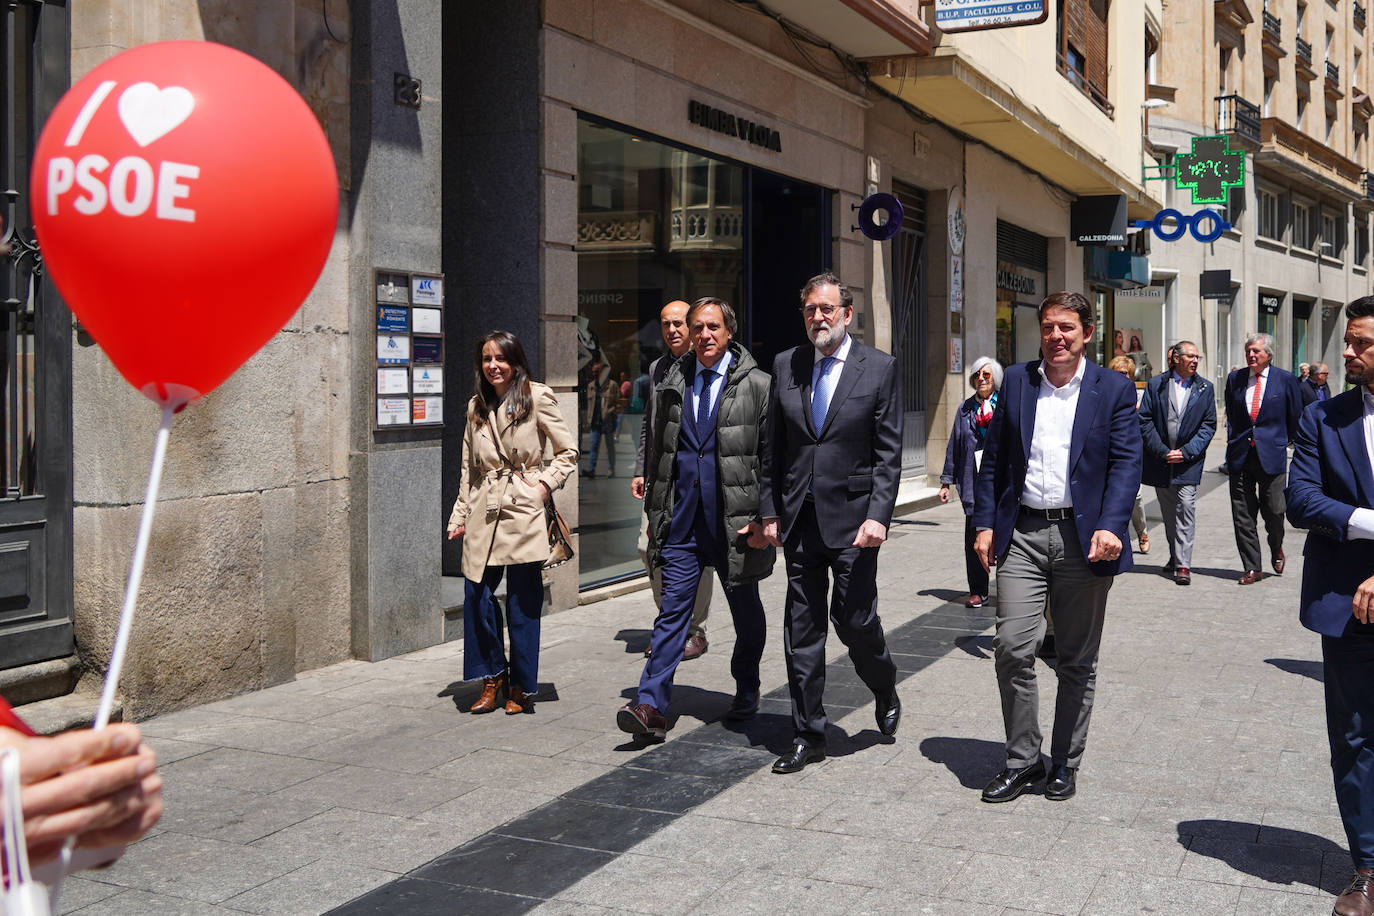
1047	466
1250	389
834	369
1361	524
1178	390
720	368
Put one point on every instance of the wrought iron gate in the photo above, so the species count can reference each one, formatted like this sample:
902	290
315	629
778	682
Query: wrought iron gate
909	323
35	355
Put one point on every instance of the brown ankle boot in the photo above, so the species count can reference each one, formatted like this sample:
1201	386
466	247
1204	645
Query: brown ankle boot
492	688
519	701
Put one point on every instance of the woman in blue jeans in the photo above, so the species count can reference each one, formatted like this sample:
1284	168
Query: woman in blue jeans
499	514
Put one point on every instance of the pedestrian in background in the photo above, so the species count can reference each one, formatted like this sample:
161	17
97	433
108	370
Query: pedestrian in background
1313	386
1178	418
1263	404
672	323
962	456
1126	366
499	514
1331	493
602	417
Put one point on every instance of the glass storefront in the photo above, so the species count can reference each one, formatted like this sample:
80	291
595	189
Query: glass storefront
657	223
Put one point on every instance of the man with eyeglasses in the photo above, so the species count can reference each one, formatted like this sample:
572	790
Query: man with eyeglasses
1314	387
827	491
1178	418
1331	493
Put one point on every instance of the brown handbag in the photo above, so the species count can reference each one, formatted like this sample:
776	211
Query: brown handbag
560	536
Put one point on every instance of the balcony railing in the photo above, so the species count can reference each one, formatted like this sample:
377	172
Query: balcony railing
1333	73
1085	85
1273	26
1368	183
1359	17
1305	52
1236	115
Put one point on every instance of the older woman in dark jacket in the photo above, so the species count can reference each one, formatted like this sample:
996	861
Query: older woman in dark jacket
961	462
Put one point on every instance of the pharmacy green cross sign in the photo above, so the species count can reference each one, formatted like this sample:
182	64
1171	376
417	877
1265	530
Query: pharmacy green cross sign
1210	171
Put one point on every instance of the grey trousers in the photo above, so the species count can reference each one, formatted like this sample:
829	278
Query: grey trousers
1178	506
1045	565
700	610
1256	493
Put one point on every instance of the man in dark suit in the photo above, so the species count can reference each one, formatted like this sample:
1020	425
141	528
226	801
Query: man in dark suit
703	502
1313	385
827	492
1331	493
1262	409
672	322
1054	495
1178	417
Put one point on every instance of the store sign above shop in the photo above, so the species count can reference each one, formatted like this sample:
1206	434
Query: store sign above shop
1098	220
1209	170
1270	305
1214	284
968	15
1184	223
722	122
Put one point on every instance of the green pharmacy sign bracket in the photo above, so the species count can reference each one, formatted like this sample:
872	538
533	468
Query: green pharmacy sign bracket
1210	170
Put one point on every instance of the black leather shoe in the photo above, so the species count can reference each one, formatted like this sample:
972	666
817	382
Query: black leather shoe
1060	785
743	706
1010	783
800	756
888	713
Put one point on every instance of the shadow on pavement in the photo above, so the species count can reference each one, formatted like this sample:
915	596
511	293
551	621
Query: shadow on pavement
973	760
636	641
977	646
1299	666
1274	854
944	594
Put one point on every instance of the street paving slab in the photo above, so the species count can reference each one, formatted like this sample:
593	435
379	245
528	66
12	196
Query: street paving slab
368	788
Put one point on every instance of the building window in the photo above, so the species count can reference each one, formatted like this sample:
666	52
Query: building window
1082	48
1361	241
1223	68
1302	226
1302	110
1269	226
1332	241
1269	83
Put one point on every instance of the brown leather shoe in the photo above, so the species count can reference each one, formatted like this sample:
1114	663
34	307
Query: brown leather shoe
1183	576
519	701
642	721
1251	577
1279	561
492	687
1144	542
696	647
1358	897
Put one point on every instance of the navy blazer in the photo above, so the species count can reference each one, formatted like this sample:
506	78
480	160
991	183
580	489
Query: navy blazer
1196	428
1280	408
1329	479
1104	459
853	463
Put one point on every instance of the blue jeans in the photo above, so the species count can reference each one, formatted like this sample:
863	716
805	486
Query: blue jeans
596	436
484	639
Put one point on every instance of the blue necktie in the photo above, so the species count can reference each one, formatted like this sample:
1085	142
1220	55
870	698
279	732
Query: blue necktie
820	398
704	398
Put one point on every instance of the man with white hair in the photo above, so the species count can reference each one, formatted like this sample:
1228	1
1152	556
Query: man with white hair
1263	405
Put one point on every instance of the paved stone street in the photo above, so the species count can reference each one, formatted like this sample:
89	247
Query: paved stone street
368	788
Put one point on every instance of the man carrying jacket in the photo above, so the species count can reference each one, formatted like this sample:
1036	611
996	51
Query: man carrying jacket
1178	417
703	505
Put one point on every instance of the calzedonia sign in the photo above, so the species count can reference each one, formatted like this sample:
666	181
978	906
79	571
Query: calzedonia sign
722	122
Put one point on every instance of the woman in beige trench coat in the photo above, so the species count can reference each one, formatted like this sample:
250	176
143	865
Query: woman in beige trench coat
512	421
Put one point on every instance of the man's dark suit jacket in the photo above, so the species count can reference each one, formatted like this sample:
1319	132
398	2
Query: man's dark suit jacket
1104	459
854	462
1196	428
1310	389
1328	480
1280	407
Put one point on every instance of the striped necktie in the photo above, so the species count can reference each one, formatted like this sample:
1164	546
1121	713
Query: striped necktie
820	398
704	398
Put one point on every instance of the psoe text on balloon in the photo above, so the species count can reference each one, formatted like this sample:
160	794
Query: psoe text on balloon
129	187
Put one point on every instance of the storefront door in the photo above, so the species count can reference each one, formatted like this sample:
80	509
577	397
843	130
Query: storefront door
908	299
35	358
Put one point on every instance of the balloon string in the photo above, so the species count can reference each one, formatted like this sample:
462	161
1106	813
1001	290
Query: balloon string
145	530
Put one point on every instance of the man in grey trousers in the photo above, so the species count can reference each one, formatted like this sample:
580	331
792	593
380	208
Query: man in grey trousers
672	321
1059	476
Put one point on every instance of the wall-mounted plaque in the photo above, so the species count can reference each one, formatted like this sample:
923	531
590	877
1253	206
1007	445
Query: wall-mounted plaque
428	349
393	318
428	380
429	410
393	349
393	411
392	381
426	290
428	321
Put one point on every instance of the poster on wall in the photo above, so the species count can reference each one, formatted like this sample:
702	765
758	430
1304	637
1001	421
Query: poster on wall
956	355
956	283
1126	341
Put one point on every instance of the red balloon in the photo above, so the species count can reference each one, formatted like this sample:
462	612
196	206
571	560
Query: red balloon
185	201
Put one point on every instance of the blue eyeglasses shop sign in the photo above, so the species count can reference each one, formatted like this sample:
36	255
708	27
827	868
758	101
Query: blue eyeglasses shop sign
971	15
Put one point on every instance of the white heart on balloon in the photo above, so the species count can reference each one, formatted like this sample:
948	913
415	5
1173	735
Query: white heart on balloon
149	112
